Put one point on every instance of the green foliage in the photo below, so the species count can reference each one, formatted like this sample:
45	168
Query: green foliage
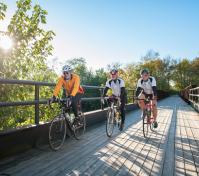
31	43
3	8
26	60
186	73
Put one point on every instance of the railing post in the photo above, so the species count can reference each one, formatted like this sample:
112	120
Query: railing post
37	104
133	96
101	95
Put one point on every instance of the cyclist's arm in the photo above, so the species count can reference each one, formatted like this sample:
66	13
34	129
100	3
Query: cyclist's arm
154	90
154	87
58	87
123	91
76	86
138	91
105	91
139	88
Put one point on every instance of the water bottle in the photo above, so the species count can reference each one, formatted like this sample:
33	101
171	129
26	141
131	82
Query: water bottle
71	118
117	115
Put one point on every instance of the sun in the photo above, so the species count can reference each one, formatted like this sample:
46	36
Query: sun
5	42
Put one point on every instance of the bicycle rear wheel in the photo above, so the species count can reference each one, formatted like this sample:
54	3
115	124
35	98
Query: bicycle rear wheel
110	123
57	132
79	126
119	121
145	126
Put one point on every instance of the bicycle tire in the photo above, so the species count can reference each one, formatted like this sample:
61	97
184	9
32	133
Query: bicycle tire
57	132
145	126
79	126
119	121
110	123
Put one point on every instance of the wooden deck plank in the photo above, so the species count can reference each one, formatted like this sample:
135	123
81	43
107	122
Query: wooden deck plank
93	161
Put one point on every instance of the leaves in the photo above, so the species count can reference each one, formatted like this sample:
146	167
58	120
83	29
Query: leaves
3	9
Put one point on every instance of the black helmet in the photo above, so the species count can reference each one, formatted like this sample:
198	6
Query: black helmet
145	70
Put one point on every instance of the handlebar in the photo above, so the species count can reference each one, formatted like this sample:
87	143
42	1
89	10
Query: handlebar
111	98
60	101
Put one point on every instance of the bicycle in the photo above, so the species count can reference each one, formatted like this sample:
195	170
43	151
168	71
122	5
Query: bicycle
147	116
113	114
60	123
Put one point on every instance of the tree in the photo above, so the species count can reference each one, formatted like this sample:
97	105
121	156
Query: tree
150	55
194	79
182	74
31	43
3	8
26	60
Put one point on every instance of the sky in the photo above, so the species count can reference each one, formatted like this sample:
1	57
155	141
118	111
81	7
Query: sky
108	31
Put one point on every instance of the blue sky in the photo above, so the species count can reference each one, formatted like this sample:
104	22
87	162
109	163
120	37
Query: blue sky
106	31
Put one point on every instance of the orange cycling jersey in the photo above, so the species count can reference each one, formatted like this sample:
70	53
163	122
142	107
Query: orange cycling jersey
72	86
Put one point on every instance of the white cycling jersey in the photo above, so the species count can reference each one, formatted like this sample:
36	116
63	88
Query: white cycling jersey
147	85
115	85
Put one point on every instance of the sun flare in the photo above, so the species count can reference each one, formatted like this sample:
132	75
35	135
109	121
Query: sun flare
5	42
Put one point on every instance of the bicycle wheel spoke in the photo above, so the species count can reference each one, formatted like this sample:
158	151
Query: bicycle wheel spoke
79	126
57	132
110	123
145	126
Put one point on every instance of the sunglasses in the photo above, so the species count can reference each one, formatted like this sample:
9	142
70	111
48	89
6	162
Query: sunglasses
113	74
145	75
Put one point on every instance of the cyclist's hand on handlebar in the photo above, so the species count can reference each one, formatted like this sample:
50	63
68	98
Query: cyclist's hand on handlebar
70	97
51	100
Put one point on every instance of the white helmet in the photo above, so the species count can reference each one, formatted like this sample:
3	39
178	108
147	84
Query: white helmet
67	68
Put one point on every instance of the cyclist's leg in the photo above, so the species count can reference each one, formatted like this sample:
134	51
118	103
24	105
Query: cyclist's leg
155	113
154	109
74	104
122	109
141	102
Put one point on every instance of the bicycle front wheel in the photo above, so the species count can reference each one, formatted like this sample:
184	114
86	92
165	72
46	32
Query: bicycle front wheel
145	126
57	132
110	123
79	126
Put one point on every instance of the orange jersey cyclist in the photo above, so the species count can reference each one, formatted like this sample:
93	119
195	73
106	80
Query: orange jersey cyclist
71	83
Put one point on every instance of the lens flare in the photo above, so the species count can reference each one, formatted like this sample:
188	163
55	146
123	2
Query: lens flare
5	42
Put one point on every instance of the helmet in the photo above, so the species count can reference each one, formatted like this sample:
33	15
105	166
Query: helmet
67	68
145	70
113	71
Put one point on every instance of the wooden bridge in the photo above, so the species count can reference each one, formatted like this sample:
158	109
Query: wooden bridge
172	150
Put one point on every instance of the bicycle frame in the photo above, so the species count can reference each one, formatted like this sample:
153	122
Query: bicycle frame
149	110
147	115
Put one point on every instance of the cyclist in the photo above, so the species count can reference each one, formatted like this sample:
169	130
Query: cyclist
116	87
146	87
71	83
